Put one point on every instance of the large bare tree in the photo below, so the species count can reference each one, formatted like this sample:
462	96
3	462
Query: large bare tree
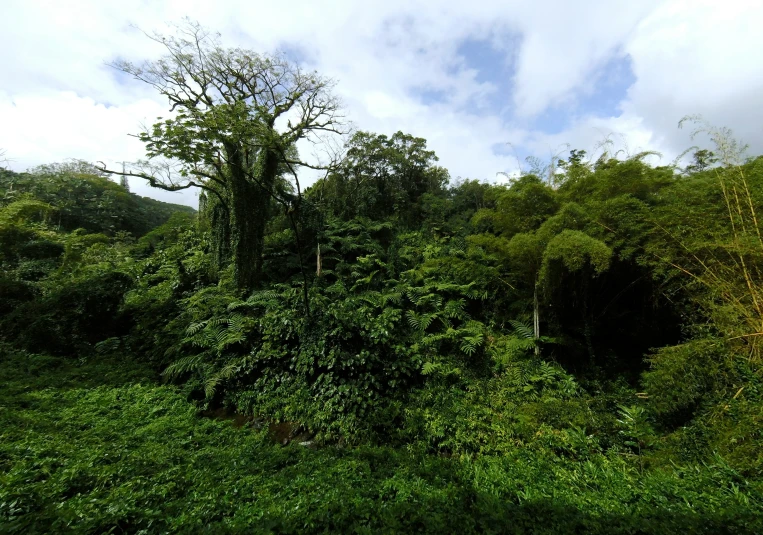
236	117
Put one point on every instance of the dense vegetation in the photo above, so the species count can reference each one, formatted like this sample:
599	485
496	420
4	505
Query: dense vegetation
388	350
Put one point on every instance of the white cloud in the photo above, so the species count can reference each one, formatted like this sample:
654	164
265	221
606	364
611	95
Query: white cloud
54	126
699	57
60	100
565	44
689	57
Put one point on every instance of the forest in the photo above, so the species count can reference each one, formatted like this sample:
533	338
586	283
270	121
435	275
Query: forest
577	349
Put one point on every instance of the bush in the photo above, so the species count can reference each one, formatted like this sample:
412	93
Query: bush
71	318
41	250
13	293
682	376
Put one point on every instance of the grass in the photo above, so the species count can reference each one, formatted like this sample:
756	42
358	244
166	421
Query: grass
102	447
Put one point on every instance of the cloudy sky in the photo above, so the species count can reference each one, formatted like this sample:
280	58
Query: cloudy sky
487	83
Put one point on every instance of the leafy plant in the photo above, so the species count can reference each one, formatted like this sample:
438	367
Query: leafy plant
637	430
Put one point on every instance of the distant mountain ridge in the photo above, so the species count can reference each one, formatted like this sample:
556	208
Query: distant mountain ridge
87	200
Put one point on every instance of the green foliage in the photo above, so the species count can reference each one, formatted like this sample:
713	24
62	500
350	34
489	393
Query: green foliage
575	250
580	354
444	326
733	427
13	293
223	137
383	178
77	195
682	376
19	211
71	318
162	304
134	457
524	207
272	360
636	429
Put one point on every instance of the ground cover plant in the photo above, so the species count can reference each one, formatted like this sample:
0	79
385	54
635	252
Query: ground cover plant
93	448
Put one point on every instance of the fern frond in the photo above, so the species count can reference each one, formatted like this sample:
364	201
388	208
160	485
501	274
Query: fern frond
430	367
195	328
218	322
454	308
210	386
413	319
229	371
109	345
468	347
476	294
184	365
522	330
426	320
475	326
394	297
236	305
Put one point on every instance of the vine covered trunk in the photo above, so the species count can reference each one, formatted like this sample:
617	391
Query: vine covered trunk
250	210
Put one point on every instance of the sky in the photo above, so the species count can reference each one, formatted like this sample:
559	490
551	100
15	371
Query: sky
486	83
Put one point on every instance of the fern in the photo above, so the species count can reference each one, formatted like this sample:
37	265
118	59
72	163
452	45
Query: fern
455	308
522	330
395	298
430	367
109	345
227	372
420	322
184	365
194	328
469	346
264	298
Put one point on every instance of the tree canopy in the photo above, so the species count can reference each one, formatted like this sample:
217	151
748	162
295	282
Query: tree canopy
227	134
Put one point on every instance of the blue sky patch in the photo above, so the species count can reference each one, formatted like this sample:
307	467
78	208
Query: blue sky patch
493	65
430	96
493	60
610	88
601	98
295	53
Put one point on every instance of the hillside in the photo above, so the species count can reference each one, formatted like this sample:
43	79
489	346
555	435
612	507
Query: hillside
82	198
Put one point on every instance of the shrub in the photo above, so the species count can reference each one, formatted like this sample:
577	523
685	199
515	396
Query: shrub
72	317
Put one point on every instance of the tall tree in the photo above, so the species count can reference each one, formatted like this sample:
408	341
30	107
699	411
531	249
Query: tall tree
383	177
236	117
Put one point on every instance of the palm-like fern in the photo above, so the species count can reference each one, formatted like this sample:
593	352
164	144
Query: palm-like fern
540	380
219	333
421	321
216	338
263	298
191	363
522	330
211	377
438	320
519	343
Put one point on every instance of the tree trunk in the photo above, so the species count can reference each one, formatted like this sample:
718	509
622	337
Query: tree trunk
220	226
246	245
250	203
588	327
536	318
